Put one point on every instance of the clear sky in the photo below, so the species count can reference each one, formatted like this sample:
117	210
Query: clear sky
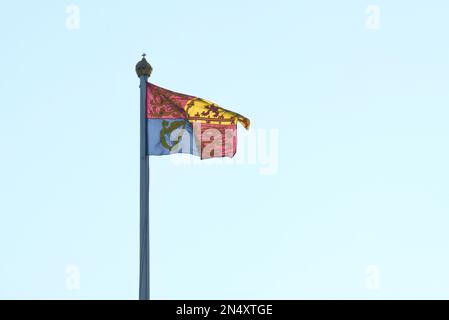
346	195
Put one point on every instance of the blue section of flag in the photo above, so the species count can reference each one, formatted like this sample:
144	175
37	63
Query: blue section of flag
168	136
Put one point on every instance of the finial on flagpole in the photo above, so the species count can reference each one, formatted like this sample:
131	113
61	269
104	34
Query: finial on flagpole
143	68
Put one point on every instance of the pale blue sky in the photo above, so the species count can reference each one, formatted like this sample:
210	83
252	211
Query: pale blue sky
362	176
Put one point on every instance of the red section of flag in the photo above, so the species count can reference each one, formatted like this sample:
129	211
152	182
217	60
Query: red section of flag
165	104
217	140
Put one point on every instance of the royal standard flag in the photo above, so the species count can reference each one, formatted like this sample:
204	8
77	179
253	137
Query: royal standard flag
179	123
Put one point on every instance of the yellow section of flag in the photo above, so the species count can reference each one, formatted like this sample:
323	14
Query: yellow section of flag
203	111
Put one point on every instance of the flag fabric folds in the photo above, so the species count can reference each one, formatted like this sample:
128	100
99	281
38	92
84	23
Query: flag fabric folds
179	123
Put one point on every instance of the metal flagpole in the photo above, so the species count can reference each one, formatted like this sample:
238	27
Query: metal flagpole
143	70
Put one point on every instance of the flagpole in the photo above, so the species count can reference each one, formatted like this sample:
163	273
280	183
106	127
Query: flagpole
143	70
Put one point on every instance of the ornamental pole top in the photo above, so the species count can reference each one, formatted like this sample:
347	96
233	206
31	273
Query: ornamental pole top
143	68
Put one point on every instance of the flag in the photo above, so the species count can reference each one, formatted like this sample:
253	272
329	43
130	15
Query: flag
180	123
